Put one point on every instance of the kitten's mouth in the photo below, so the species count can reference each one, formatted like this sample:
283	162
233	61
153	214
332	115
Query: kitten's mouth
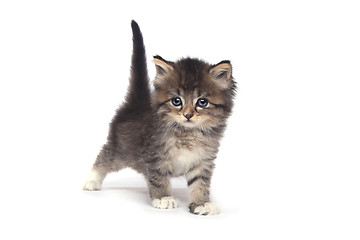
189	123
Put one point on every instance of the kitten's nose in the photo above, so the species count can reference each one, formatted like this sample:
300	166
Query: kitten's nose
188	115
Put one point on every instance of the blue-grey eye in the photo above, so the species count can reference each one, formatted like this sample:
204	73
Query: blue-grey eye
176	101
202	102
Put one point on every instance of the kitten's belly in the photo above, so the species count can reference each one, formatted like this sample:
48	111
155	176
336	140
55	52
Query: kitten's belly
184	159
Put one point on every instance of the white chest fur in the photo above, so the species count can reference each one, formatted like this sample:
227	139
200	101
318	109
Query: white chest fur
184	159
187	150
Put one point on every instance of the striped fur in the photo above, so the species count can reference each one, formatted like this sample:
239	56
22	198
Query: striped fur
159	137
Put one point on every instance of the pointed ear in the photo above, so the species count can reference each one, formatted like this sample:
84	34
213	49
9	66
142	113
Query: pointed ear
163	67
221	71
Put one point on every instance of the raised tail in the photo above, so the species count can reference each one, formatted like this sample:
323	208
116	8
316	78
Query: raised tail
138	95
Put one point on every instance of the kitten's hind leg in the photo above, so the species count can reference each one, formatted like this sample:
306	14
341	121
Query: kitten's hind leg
94	180
106	162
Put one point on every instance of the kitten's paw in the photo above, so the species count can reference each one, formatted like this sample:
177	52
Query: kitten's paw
92	186
206	209
165	203
94	180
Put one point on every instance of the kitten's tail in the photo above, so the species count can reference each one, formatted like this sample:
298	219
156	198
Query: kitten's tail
138	95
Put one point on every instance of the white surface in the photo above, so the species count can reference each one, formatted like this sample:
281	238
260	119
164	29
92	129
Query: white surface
288	167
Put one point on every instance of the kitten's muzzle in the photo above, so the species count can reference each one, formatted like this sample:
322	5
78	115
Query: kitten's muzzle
188	115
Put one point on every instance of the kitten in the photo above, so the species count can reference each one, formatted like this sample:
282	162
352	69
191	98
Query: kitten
171	131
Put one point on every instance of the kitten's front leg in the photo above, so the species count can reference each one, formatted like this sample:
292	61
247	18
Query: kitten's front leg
160	190
198	180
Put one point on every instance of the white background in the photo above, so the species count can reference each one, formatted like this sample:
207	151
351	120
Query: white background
288	166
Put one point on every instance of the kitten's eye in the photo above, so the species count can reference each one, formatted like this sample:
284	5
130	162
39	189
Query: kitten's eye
176	101
202	102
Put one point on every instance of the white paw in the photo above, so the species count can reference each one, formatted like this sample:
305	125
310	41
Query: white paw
165	203
94	181
92	186
207	209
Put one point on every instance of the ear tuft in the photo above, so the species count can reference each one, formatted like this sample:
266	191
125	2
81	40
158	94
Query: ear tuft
221	71
163	67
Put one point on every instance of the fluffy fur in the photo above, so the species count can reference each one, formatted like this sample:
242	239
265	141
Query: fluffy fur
174	130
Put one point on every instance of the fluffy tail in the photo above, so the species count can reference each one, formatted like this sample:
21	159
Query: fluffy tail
139	91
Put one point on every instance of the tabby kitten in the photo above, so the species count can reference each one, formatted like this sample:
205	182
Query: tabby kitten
171	131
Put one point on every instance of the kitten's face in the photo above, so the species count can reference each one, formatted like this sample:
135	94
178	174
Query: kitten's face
193	93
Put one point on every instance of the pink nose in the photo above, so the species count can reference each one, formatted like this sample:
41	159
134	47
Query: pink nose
188	115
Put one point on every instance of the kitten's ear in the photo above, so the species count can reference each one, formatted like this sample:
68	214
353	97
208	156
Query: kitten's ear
221	71
163	67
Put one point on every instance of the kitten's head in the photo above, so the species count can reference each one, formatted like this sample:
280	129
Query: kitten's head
192	93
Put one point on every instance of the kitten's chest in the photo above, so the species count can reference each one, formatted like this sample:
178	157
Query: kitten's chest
183	159
185	154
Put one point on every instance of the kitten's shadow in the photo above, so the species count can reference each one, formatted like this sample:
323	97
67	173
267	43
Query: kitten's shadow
141	193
